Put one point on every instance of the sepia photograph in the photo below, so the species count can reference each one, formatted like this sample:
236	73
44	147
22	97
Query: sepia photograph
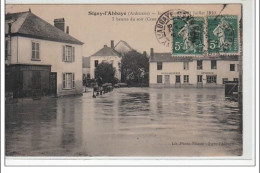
124	80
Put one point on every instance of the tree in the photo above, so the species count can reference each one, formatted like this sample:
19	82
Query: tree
135	68
105	73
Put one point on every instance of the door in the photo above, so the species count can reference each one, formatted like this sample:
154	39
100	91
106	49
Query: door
36	80
36	84
167	79
199	81
178	81
53	83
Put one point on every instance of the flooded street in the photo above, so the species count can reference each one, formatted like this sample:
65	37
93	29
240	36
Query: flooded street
126	122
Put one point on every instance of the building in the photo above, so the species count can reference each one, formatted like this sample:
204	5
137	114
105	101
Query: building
86	67
169	71
123	47
112	54
106	54
41	59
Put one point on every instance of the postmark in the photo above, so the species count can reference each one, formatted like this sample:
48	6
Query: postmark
164	26
188	35
223	36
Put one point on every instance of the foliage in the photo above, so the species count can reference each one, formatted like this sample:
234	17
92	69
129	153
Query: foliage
104	73
135	68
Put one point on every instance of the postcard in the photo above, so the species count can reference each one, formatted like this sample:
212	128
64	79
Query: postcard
124	80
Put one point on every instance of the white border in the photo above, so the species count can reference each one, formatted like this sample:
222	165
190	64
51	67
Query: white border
249	103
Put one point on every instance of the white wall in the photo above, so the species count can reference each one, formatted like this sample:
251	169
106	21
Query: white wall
116	60
176	68
50	54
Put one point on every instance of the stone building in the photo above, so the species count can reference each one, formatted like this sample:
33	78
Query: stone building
169	71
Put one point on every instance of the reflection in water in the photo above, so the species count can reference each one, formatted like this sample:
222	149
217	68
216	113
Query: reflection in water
126	122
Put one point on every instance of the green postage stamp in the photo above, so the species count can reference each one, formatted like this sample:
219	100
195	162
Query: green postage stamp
188	36
223	34
209	35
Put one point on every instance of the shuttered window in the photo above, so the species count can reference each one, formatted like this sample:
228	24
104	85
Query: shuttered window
68	53
68	80
35	51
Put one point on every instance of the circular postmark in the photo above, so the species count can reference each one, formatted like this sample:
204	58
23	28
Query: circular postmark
163	27
181	31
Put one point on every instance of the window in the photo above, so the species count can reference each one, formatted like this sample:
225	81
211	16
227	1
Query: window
211	79
224	80
35	51
235	79
199	78
68	80
185	65
213	64
186	79
199	65
232	67
159	65
96	63
159	78
68	53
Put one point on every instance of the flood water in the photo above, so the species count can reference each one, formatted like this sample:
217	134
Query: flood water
126	122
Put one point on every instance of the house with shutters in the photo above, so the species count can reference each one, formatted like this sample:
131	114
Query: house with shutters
41	58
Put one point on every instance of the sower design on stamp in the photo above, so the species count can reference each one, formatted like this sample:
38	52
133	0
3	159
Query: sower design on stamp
223	34
188	35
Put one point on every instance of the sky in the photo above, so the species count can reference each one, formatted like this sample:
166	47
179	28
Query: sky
97	31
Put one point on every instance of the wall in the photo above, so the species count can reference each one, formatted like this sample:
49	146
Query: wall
116	60
50	54
86	71
176	68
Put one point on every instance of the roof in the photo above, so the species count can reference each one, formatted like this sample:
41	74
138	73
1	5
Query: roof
86	62
167	57
123	47
106	51
28	24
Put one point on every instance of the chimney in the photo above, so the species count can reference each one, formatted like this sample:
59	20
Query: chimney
67	30
145	54
151	52
112	44
60	23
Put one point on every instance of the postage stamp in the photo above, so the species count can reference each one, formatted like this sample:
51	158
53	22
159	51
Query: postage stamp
164	26
223	37
188	35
